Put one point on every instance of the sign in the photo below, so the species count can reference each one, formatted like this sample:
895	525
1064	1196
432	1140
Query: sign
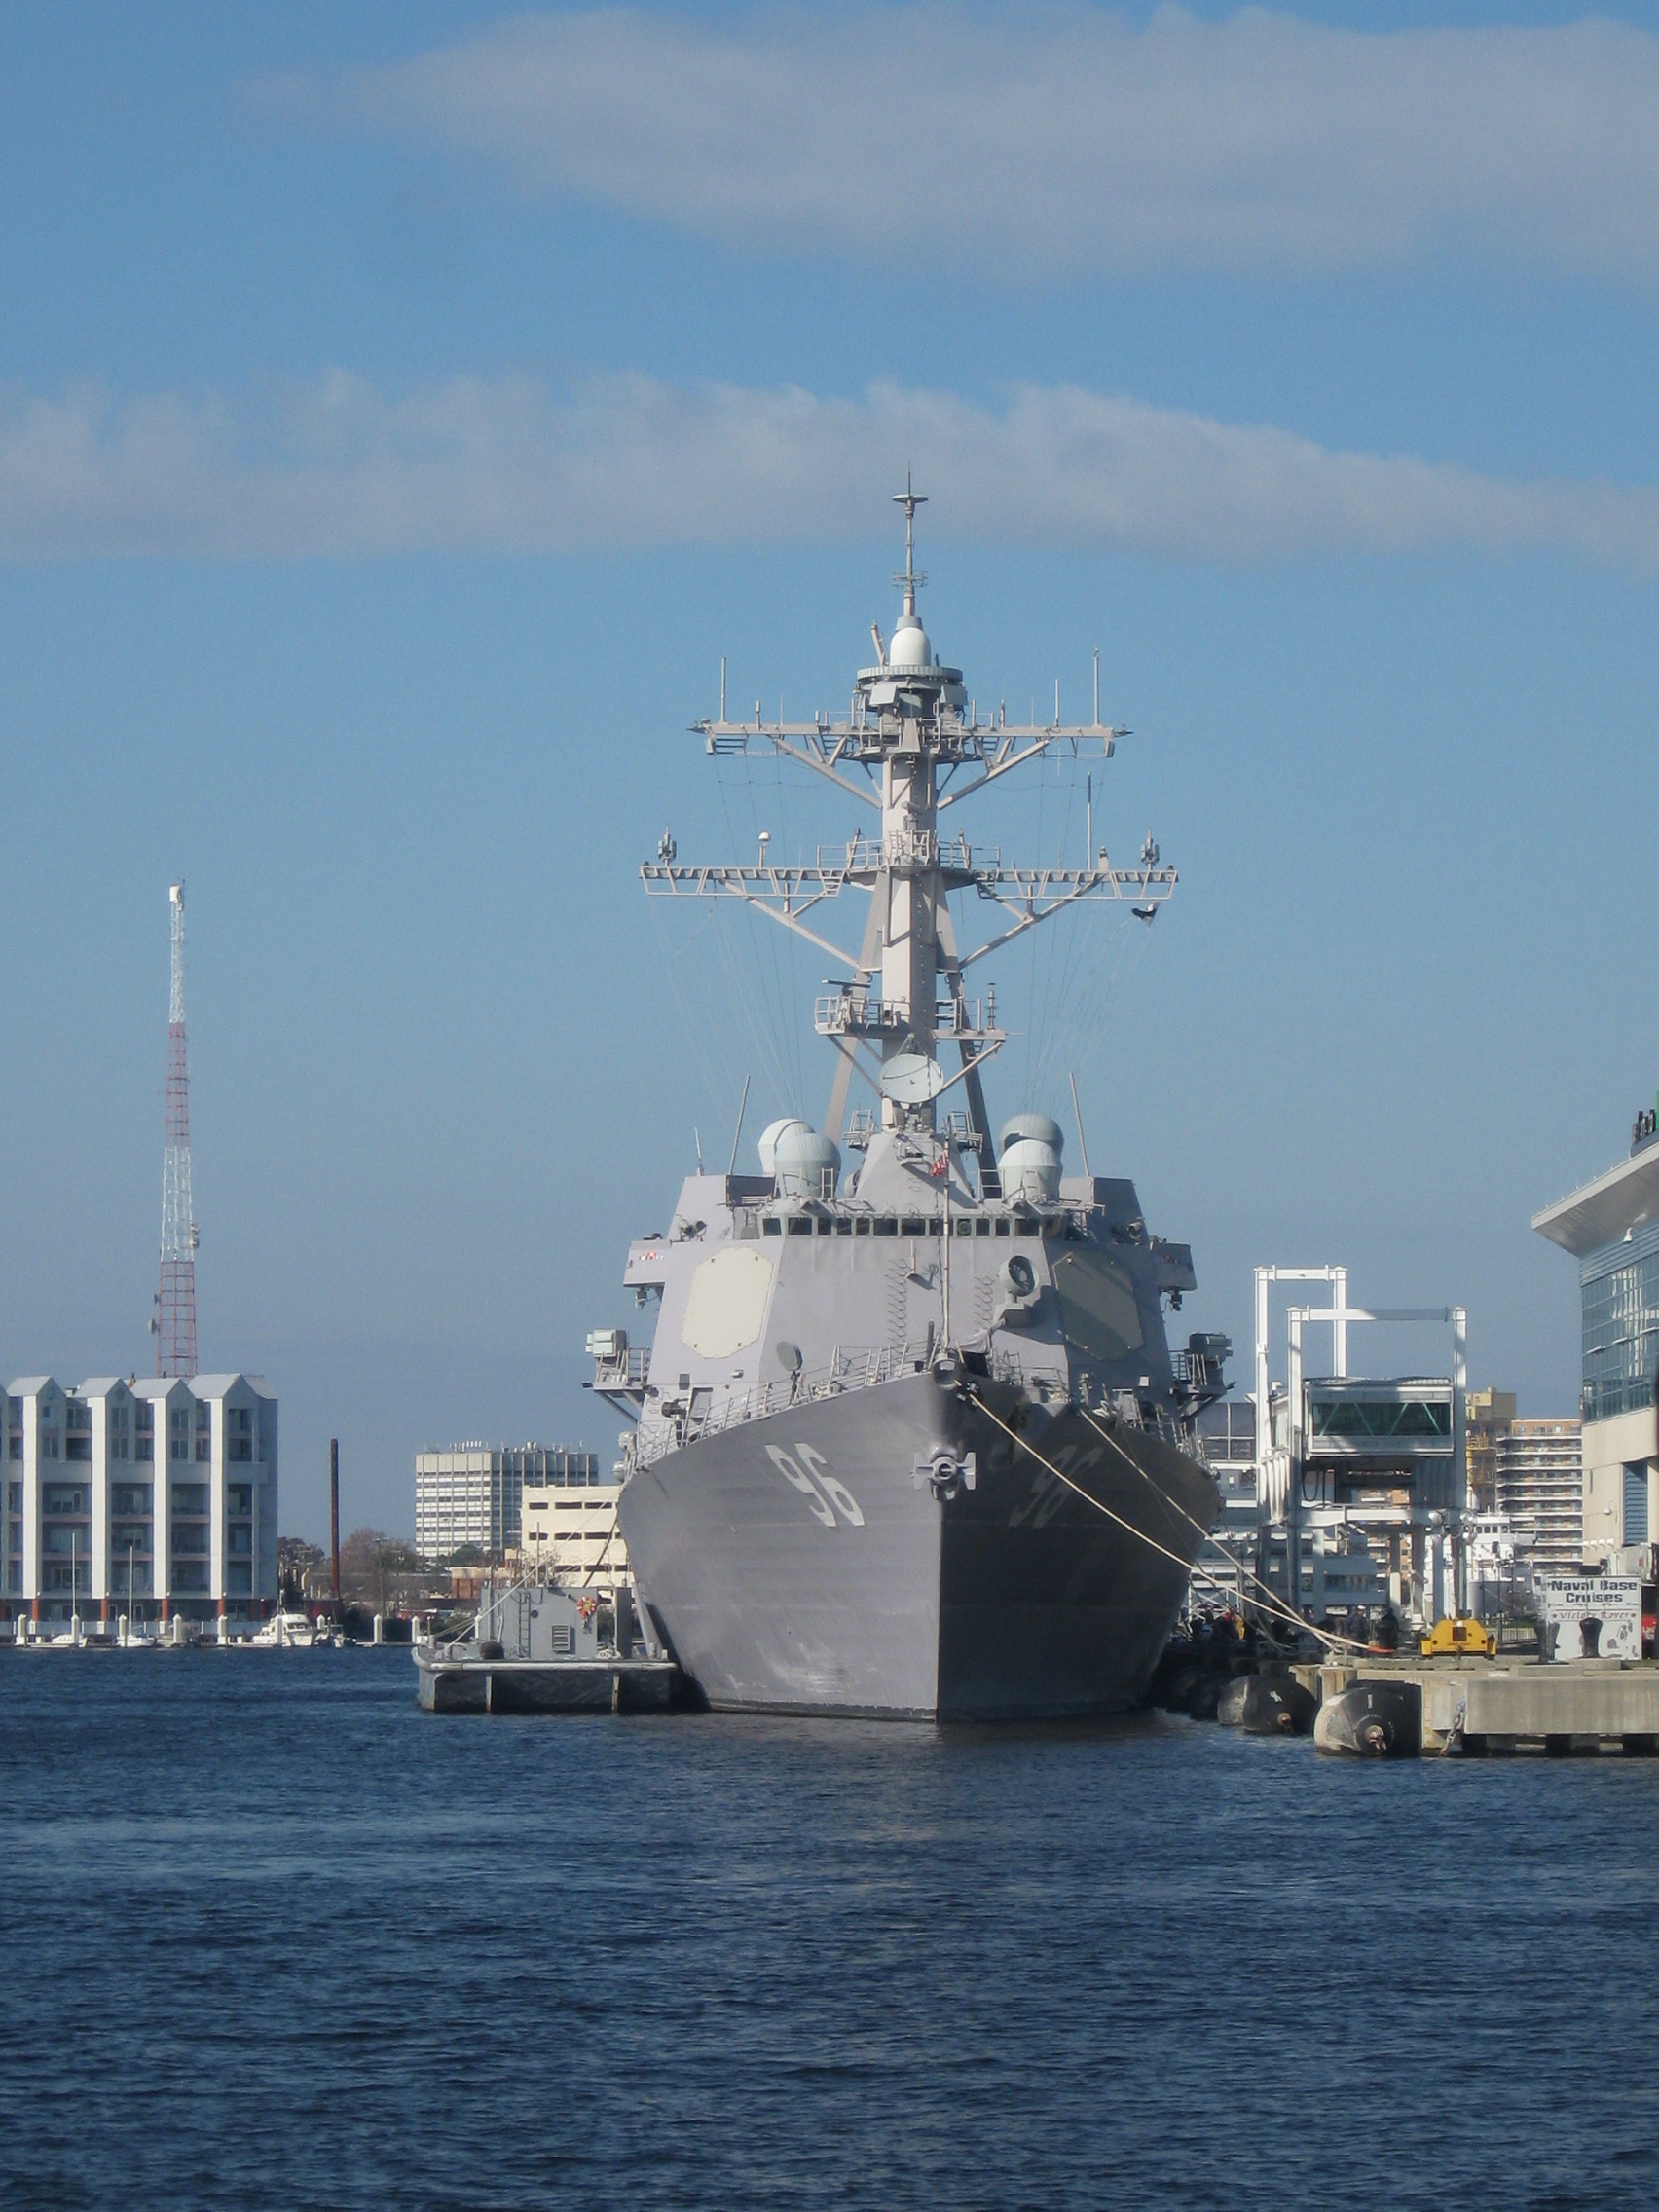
1592	1617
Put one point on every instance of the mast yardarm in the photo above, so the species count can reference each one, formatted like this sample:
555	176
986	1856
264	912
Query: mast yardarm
911	747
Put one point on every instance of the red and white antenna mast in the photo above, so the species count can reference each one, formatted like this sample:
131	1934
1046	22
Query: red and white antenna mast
175	1302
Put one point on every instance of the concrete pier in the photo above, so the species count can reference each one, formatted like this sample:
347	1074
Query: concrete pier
1585	1705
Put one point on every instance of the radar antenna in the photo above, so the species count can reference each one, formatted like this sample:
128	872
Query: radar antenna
911	747
908	577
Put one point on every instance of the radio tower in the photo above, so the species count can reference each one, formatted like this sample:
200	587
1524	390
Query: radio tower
174	1323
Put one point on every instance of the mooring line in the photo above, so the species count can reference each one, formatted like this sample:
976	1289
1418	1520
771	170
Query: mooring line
1269	1597
1186	1566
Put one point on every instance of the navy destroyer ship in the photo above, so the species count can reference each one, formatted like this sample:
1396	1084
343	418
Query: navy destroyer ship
908	1437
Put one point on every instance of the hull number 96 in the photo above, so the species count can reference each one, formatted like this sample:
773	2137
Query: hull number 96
826	1494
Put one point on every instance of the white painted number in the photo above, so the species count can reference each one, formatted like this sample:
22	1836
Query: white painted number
805	1483
826	1493
835	1490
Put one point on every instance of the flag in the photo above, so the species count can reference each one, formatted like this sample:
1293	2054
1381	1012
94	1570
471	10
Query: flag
941	1167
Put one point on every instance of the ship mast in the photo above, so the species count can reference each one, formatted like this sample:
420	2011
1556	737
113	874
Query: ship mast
912	746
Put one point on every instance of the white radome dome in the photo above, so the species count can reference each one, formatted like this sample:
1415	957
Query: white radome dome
910	647
768	1145
807	1164
1030	1169
1041	1128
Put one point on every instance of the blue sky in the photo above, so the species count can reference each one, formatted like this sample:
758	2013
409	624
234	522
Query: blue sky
402	409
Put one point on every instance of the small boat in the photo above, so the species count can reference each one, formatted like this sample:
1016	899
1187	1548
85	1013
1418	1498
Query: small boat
286	1632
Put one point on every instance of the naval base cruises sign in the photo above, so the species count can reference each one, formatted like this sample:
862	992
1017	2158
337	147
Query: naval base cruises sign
1592	1617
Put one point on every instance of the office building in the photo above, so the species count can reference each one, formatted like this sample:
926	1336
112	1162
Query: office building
470	1496
1611	1227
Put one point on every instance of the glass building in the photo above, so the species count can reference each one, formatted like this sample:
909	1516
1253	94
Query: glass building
1611	1228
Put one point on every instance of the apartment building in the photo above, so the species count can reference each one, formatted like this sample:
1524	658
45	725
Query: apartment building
149	1497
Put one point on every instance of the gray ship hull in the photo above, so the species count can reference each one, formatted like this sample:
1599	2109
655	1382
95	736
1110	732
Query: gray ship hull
803	1562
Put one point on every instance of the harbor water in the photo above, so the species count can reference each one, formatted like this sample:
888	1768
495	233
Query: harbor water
272	1936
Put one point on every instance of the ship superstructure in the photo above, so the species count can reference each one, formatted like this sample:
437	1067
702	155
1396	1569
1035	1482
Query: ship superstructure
910	1438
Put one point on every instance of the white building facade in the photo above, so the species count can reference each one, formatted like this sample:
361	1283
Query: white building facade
154	1497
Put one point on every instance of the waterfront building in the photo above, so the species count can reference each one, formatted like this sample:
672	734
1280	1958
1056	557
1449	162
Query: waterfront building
1611	1227
569	1529
1489	1413
1540	1489
153	1496
470	1496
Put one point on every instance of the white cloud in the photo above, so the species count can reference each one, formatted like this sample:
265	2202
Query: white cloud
1049	139
337	469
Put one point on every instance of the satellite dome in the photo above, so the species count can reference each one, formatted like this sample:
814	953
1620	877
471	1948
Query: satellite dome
807	1164
910	648
769	1136
1037	1127
1030	1170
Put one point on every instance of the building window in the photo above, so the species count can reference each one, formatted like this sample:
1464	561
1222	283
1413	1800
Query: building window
1635	1502
1620	1332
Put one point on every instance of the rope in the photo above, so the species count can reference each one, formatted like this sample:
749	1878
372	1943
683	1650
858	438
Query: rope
1269	1597
1186	1566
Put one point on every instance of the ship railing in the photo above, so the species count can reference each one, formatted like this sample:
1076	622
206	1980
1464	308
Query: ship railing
847	1371
629	1369
862	854
680	1424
